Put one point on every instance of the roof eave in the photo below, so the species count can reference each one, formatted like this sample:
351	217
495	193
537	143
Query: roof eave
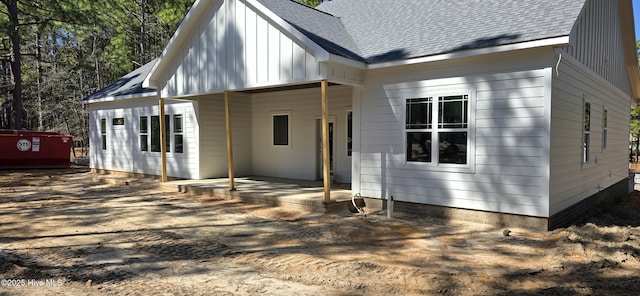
117	98
560	41
346	61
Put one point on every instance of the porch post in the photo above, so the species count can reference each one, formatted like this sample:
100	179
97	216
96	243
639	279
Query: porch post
227	108
163	140
326	166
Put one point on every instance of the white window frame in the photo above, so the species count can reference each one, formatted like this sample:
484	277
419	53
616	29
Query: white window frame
177	133
272	134
104	144
435	164
605	123
586	132
146	133
168	129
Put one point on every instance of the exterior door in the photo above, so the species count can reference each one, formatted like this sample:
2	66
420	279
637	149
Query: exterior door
319	162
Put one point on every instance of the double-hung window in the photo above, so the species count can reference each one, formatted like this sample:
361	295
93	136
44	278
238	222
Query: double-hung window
586	139
437	129
177	133
155	133
604	128
144	133
103	133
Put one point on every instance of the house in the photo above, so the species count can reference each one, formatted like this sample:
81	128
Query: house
509	112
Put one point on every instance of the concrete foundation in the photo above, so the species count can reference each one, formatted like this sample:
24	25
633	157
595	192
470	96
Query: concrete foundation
572	215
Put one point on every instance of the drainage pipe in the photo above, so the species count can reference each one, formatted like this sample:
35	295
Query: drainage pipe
353	201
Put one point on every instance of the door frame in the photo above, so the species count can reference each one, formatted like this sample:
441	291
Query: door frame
331	119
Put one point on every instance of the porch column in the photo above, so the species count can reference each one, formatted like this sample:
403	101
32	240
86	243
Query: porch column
163	140
326	166
227	108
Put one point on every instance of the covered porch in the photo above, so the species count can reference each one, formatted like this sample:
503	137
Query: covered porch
261	91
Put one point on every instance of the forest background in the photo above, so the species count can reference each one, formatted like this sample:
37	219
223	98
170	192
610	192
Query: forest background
53	53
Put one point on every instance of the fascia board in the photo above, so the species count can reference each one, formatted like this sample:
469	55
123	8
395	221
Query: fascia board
118	98
347	62
556	42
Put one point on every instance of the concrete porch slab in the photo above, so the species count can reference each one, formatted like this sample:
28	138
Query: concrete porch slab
280	192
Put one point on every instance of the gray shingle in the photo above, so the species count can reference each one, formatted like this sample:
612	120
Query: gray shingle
384	30
324	29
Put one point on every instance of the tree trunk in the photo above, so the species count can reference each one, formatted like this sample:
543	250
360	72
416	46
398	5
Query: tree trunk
39	81
97	62
16	63
142	31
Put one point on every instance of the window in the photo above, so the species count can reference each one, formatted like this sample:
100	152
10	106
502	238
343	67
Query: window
437	135
604	128
144	133
118	121
281	130
177	133
349	132
103	132
155	133
586	140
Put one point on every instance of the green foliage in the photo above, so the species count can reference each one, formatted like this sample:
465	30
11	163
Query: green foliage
310	3
72	48
635	122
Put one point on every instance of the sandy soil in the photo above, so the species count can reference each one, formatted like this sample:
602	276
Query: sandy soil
61	233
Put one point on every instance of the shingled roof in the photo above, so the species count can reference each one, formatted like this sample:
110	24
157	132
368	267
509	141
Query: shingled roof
127	86
386	30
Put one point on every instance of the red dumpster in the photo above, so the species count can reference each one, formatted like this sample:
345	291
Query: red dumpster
27	149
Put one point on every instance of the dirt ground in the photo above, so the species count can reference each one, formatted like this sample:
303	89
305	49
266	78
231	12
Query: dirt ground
61	233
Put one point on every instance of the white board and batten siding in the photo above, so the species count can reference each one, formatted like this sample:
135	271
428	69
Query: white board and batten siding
508	164
237	47
298	160
598	43
123	151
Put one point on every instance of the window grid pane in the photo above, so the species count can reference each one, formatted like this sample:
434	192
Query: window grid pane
419	146
587	117
452	111
177	123
179	145
452	147
419	113
586	149
144	125
144	144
